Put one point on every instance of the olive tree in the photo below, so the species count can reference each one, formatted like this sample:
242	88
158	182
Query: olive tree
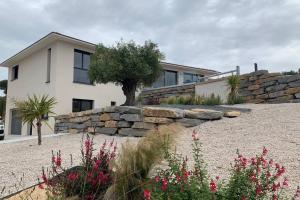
126	64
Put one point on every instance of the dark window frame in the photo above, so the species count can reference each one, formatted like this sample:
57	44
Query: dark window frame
164	78
15	73
49	56
192	74
81	66
80	102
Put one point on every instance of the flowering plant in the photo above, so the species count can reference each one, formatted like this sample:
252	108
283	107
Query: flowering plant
89	180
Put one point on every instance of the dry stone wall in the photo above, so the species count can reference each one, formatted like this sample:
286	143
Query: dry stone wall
155	95
264	87
130	121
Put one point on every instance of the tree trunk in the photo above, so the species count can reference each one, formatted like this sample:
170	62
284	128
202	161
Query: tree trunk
129	89
39	132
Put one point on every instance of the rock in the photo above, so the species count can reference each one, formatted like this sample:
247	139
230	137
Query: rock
270	75
276	88
107	131
253	78
131	117
232	113
260	81
262	96
128	110
288	79
259	91
97	124
110	116
248	98
190	122
259	73
132	132
62	117
158	120
94	118
111	124
294	84
245	93
297	95
91	129
292	90
73	131
123	124
143	125
97	111
109	109
282	99
79	119
253	87
267	84
276	94
78	126
163	112
204	114
295	101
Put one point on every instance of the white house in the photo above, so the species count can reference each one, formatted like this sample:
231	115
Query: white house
57	65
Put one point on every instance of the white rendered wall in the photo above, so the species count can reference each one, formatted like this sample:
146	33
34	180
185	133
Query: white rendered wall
217	87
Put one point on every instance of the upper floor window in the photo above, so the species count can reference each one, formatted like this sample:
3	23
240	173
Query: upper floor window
15	72
48	65
81	65
168	78
190	78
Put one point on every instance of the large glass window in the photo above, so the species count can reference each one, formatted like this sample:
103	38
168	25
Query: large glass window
170	78
81	66
190	78
82	105
166	79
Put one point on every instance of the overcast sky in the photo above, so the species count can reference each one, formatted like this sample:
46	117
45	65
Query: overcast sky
215	34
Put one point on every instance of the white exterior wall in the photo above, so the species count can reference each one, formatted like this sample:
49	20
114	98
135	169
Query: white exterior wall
32	80
66	90
217	87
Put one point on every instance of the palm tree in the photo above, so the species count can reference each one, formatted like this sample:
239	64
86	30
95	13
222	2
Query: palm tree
34	109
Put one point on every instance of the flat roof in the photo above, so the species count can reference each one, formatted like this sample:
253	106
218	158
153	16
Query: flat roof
53	36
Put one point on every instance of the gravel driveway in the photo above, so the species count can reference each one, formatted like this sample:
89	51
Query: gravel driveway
275	126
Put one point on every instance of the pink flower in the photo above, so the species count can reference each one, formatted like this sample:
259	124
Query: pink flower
73	176
265	151
164	184
213	186
258	190
285	182
41	186
147	194
195	135
217	178
157	179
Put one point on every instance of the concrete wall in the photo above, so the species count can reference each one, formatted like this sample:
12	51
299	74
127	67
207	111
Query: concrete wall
217	87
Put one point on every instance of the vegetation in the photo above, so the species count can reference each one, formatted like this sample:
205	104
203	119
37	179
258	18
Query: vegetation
193	100
292	72
126	64
3	86
34	110
131	174
233	83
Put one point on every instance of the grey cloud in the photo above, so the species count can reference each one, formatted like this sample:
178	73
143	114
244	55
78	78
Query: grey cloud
216	34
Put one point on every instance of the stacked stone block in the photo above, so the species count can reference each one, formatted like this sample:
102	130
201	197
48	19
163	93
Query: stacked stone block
264	87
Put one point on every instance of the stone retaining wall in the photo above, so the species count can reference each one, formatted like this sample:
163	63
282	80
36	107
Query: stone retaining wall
155	95
130	121
264	87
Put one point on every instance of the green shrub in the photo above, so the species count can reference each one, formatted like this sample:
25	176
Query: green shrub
233	83
194	100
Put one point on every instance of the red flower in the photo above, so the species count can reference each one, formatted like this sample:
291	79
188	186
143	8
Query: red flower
41	186
73	176
164	184
274	197
213	186
285	182
243	198
178	178
185	174
157	179
58	161
147	194
217	178
265	151
258	190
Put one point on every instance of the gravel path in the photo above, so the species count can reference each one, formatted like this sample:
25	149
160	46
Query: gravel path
275	126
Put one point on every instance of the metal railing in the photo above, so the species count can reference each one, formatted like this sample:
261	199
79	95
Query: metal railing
201	79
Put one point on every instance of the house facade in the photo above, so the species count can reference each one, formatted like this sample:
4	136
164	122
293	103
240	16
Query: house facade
57	65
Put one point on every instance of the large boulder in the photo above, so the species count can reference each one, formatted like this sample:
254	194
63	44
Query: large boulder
128	109
131	117
205	114
106	131
143	125
158	120
232	113
111	124
110	116
132	132
163	112
190	122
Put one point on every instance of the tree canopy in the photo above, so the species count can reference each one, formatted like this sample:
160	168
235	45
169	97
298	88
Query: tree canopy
126	64
3	86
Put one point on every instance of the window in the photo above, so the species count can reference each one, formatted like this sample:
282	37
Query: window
190	78
15	72
82	105
48	66
170	78
81	66
166	79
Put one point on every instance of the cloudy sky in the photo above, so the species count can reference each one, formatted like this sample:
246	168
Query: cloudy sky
215	34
